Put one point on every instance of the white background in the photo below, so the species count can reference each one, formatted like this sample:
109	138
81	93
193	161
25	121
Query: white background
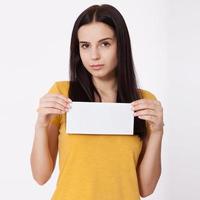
34	53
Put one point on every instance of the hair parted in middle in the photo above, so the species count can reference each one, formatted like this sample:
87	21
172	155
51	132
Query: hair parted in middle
81	84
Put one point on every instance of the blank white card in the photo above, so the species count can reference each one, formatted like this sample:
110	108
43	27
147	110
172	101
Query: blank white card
100	118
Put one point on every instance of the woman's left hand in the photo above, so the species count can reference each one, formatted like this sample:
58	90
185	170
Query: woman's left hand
151	111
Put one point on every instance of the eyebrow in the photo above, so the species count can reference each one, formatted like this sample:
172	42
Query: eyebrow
108	38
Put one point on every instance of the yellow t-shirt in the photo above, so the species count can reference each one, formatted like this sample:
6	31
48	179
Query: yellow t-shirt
95	167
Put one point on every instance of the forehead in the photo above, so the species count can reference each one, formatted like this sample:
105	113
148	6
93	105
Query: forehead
95	31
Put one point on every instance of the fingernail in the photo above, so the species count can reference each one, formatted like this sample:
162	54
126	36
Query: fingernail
68	106
134	103
135	114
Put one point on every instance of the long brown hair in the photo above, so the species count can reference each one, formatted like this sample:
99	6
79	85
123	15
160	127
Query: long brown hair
81	85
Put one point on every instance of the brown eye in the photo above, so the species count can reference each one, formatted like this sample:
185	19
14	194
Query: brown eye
105	44
84	46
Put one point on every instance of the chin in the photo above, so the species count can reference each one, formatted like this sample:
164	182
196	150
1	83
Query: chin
100	76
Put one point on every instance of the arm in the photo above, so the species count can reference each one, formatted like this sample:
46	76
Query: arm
45	144
149	163
44	152
149	166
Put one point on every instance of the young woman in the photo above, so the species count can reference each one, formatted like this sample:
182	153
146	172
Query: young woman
99	167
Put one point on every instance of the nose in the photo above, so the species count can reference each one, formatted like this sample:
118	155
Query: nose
95	53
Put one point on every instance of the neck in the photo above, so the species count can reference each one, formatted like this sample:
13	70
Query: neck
105	87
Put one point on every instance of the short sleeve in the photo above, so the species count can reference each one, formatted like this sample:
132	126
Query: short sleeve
148	95
56	118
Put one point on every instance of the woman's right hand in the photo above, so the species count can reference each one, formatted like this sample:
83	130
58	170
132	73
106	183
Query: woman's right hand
50	105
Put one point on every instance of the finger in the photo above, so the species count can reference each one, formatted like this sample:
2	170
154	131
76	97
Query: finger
143	107
148	118
145	112
69	100
53	104
55	99
58	96
47	111
144	101
52	110
145	104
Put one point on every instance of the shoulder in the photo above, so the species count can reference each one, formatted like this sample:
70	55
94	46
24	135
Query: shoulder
59	87
147	94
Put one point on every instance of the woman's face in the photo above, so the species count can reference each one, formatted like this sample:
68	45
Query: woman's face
98	49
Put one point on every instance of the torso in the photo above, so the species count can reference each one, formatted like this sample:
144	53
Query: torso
96	165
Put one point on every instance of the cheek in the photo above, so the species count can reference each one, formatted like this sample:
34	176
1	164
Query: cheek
112	58
84	58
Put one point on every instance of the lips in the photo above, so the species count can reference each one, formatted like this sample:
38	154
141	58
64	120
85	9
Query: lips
97	66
